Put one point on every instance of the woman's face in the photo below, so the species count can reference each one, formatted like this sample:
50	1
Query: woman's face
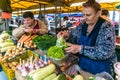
28	21
90	16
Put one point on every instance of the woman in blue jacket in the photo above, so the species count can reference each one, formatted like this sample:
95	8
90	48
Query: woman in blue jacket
93	40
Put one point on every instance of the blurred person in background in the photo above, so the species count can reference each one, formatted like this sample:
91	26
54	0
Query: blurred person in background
30	26
93	41
44	20
64	22
104	15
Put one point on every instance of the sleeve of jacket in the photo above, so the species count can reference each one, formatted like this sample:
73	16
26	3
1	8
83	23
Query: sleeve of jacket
43	28
104	46
74	35
18	32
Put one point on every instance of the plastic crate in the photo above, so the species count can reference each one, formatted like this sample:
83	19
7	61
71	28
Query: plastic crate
9	72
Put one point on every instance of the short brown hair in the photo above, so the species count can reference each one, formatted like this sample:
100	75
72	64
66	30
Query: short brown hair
28	14
65	18
105	12
93	4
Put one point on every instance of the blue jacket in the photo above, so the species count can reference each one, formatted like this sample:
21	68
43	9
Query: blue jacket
104	48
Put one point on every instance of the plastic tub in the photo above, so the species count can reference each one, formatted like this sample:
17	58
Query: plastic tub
58	61
117	69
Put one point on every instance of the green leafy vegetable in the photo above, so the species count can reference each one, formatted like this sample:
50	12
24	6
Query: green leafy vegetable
55	52
44	41
61	43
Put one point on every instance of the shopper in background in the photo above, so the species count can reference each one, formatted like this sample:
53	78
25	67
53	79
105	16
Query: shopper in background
64	22
43	19
30	26
93	41
63	25
104	15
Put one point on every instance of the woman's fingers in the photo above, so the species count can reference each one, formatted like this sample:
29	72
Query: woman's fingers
69	44
72	48
63	34
59	34
69	49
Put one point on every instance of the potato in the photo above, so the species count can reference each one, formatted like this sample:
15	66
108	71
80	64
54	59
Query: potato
20	48
7	53
24	49
10	55
0	54
13	52
1	58
5	64
13	56
31	41
14	63
10	65
9	58
17	50
13	68
6	57
21	52
17	53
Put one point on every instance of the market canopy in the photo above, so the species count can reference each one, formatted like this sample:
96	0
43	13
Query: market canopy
67	5
25	4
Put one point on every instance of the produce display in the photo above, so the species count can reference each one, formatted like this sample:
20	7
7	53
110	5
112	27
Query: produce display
42	73
12	53
55	52
60	77
4	36
34	67
30	65
51	76
78	77
5	42
0	56
61	43
12	65
9	68
44	41
26	40
6	45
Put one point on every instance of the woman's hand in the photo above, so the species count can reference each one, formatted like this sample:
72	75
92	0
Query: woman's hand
63	34
73	48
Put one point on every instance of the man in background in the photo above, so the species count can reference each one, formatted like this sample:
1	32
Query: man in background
104	15
30	25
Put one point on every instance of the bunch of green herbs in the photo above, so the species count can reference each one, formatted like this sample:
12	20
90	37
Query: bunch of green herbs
44	42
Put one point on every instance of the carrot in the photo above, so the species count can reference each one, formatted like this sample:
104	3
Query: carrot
23	36
31	38
34	36
27	37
